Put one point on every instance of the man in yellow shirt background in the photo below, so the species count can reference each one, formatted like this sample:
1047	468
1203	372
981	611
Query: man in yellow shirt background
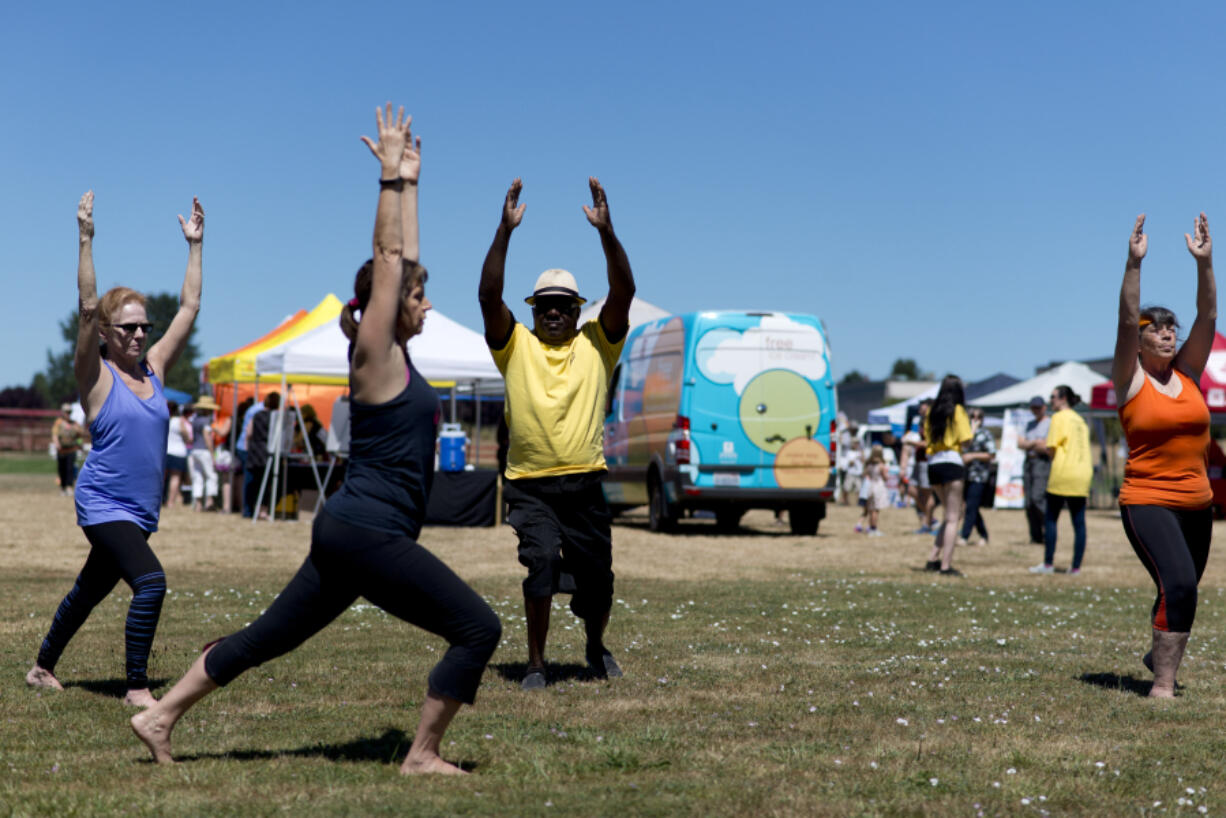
557	380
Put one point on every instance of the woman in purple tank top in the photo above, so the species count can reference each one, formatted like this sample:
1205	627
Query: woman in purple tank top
119	491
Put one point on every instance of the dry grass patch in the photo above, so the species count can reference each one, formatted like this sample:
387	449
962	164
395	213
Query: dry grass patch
766	674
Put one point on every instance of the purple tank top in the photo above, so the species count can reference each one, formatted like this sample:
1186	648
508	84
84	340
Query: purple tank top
122	476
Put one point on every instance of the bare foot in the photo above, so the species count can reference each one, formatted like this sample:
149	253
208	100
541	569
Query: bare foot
151	729
1157	692
140	698
41	677
429	764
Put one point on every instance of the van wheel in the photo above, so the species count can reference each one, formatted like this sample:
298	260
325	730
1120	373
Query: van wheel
804	520
728	519
659	516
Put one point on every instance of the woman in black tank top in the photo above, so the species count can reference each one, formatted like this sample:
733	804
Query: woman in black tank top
363	542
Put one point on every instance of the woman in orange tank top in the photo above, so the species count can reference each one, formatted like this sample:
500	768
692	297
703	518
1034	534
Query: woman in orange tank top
1164	502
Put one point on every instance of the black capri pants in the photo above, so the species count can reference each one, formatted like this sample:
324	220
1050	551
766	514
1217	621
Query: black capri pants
565	539
393	572
1173	545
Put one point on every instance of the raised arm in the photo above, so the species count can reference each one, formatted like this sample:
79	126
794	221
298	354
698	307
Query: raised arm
87	361
615	314
410	171
1125	373
494	310
1192	356
166	351
377	366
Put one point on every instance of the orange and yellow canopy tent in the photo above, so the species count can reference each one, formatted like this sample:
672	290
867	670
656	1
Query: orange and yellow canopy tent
234	378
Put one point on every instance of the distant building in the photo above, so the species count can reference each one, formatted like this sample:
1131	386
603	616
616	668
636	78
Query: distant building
856	399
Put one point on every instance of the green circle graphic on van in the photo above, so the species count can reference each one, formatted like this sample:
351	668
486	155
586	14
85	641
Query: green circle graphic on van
778	406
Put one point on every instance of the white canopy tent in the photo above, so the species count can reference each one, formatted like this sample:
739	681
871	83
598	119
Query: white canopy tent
446	353
1074	374
895	415
641	312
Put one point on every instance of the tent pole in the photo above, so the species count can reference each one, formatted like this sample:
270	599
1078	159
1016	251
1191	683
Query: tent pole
453	388
477	426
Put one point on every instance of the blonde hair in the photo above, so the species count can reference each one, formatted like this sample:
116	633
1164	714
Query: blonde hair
411	274
113	300
876	454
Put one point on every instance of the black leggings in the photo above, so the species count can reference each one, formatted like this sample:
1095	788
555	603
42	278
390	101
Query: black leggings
393	572
1173	545
120	550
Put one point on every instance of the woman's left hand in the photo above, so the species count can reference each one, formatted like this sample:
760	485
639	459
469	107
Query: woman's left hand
1199	243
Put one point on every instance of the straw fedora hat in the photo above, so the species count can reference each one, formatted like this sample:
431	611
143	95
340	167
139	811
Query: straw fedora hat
205	403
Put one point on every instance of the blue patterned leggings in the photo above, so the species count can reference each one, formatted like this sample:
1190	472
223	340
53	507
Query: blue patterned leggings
120	550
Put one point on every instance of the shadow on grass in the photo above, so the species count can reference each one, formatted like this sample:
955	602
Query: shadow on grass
1114	681
115	688
555	673
389	748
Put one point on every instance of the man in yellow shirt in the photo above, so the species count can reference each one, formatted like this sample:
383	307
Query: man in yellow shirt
557	380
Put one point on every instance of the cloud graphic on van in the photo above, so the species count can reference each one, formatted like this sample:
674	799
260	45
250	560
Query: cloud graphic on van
728	356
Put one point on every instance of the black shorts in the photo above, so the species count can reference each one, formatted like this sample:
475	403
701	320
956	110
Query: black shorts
941	473
565	539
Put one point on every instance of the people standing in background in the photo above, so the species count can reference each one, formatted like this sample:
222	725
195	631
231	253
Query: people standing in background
878	495
1068	445
68	435
178	438
1035	468
200	456
246	411
260	441
978	456
947	430
915	469
1165	502
852	471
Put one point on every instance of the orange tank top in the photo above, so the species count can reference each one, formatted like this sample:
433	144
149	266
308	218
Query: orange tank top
1168	448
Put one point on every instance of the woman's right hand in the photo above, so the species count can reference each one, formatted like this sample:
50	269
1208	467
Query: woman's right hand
393	136
1138	242
85	215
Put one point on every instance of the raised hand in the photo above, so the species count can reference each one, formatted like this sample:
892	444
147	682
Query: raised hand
512	210
1199	243
193	228
598	213
85	215
393	137
1138	242
410	160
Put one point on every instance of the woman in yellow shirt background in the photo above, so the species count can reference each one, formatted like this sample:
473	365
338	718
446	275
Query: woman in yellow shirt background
946	429
1068	443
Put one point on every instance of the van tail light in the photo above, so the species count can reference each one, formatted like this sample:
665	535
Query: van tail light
680	438
834	439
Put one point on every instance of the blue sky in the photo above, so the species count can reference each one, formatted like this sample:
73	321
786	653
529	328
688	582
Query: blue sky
951	182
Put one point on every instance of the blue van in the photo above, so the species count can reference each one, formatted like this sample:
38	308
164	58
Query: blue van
724	412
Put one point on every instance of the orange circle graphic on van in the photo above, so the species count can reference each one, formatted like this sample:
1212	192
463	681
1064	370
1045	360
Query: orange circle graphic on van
802	463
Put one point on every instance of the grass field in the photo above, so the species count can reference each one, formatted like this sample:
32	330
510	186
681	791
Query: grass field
27	463
767	675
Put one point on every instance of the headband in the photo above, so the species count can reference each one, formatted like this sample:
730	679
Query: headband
1143	323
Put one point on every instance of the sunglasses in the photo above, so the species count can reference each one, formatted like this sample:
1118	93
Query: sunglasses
562	305
131	327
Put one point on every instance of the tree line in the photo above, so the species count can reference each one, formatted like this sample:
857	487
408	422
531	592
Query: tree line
57	384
